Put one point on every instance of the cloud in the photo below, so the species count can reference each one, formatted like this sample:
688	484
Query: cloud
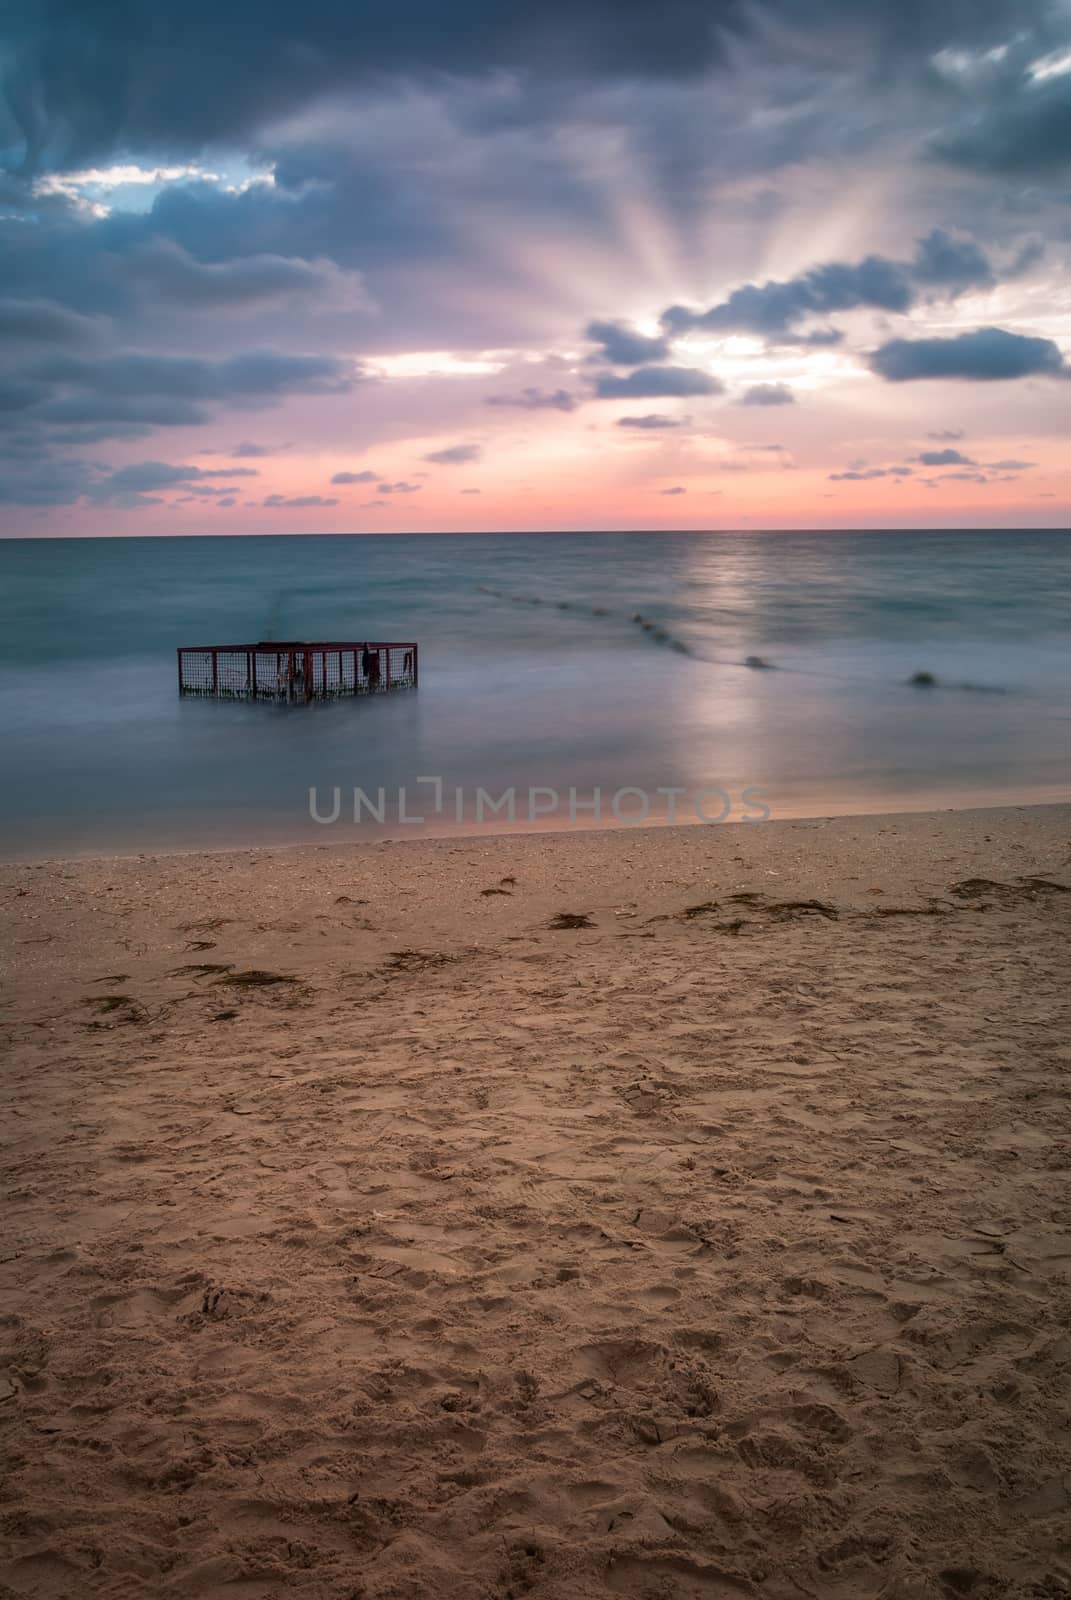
677	489
622	346
945	261
89	84
149	477
250	378
169	273
536	400
864	475
18	395
455	455
296	502
984	355
207	491
355	477
43	321
1024	128
247	448
89	78
774	310
484	174
1009	466
127	394
942	434
767	394
45	483
653	420
656	383
944	458
399	488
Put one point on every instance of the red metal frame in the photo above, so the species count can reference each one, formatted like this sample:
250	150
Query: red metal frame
296	670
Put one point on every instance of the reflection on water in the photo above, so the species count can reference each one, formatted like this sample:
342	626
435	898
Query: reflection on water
556	686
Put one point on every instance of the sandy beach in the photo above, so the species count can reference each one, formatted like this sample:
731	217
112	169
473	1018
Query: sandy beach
676	1214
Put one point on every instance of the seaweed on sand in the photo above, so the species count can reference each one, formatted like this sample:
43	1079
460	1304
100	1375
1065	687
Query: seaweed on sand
254	978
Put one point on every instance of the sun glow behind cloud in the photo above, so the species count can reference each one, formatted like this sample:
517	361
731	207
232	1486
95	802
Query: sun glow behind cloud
400	256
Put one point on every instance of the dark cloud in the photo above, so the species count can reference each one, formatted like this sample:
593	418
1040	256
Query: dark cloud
946	261
355	477
18	395
84	433
862	475
45	483
296	502
33	321
126	394
253	377
143	476
774	310
207	490
455	455
622	346
399	488
1023	128
536	400
986	354
150	477
96	410
169	273
944	458
767	394
90	76
248	448
653	420
656	383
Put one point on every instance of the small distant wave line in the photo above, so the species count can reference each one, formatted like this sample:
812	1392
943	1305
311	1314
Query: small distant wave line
660	635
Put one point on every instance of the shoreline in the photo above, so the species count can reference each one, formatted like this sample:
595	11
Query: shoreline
583	828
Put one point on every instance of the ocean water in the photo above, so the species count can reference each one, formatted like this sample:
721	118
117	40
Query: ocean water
534	677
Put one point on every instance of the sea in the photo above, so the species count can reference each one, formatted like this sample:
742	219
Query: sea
566	681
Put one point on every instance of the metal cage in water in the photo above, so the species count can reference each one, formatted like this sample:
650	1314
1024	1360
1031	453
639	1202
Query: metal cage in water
296	671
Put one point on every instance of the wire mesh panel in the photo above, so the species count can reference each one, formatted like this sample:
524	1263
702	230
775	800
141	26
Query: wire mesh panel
296	672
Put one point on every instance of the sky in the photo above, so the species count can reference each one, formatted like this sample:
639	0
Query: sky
328	266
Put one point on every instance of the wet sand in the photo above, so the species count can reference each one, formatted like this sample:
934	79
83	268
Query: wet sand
670	1213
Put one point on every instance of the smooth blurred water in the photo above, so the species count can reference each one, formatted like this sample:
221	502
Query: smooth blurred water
101	754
